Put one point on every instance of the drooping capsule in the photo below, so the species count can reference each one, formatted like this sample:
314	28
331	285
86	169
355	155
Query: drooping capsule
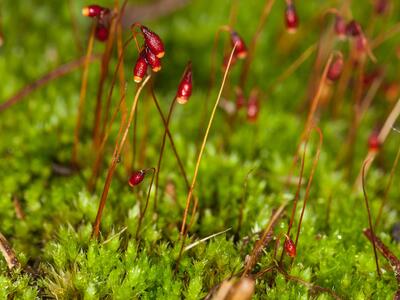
136	178
374	144
185	86
241	49
290	247
153	61
240	99
291	17
353	28
140	68
101	32
253	107
335	68
153	41
340	27
94	10
381	6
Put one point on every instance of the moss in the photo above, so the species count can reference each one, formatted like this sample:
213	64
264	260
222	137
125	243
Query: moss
53	241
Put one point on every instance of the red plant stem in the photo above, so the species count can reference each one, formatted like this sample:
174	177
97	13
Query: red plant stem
171	109
143	212
252	260
311	113
115	158
103	74
389	255
310	180
56	73
369	217
82	97
387	189
297	195
171	140
105	134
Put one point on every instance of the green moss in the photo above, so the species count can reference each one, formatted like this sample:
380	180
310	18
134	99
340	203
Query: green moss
53	242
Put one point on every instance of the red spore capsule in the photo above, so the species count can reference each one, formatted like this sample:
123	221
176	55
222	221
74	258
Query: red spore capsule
381	6
361	43
353	28
153	42
290	247
140	69
240	99
253	107
153	61
241	49
340	27
101	32
373	142
335	69
136	178
94	11
185	86
291	18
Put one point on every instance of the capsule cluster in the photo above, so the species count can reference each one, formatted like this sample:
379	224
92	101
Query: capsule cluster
101	14
351	30
150	55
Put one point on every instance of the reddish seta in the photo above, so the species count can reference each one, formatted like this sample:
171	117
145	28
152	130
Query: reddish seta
290	247
136	178
253	107
291	17
336	68
153	42
185	86
140	68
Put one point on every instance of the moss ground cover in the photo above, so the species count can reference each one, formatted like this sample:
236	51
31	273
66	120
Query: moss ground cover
243	175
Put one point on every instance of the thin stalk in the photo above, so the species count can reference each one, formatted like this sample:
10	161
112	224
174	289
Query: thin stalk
203	145
387	189
252	260
105	61
82	96
182	235
114	161
171	108
310	180
383	134
105	133
371	228
143	212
